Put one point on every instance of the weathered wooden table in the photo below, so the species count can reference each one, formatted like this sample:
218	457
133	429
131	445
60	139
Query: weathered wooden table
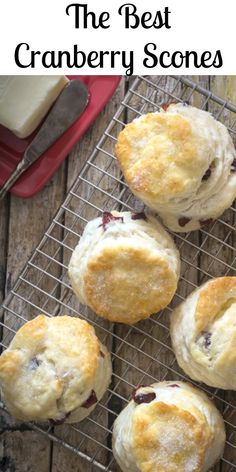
22	224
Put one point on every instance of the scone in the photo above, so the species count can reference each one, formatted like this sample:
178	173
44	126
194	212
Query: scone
125	267
55	369
169	426
203	333
180	162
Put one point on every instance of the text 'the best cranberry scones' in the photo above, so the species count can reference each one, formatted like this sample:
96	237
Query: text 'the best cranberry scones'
203	333
180	162
55	369
169	426
125	267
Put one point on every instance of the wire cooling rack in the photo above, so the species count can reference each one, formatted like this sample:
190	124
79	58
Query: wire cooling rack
141	354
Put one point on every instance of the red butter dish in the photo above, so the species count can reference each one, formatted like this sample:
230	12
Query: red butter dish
100	89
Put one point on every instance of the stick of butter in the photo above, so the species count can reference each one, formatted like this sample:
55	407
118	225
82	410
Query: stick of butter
25	100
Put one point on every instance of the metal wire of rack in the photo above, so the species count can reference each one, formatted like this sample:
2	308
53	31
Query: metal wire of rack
141	354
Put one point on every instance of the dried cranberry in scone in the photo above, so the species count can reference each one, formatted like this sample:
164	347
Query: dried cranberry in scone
207	175
139	216
165	106
107	217
183	221
233	166
141	397
206	335
90	401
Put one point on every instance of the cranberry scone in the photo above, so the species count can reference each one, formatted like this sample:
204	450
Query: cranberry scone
180	162
55	369
125	267
203	333
169	426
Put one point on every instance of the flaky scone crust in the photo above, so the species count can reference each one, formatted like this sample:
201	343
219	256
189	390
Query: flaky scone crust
151	422
179	430
146	168
135	285
203	333
51	367
126	271
181	163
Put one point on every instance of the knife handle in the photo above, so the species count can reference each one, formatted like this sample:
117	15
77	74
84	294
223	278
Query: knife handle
13	177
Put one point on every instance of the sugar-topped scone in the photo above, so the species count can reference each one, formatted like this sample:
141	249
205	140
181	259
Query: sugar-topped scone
55	369
203	332
169	426
182	163
125	267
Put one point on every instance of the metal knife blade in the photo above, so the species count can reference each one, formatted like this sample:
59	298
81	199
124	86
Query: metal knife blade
65	111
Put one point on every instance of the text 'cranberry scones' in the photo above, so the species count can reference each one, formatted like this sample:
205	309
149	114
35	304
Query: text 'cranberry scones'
125	267
55	369
169	426
203	333
182	163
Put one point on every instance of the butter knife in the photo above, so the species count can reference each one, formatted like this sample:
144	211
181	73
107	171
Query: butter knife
65	111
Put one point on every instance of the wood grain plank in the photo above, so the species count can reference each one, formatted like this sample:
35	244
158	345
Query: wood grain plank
28	221
4	221
23	452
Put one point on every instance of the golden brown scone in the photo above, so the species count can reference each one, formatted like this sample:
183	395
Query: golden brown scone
125	267
203	332
169	426
54	369
182	163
